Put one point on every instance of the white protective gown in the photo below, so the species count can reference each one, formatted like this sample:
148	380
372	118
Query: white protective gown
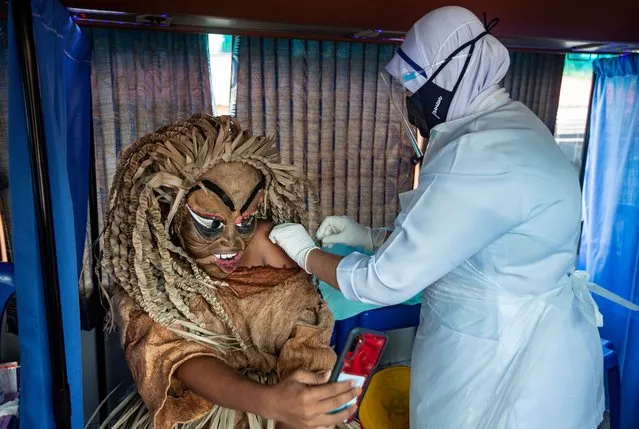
508	334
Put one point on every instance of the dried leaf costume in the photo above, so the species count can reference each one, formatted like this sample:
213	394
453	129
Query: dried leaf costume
176	292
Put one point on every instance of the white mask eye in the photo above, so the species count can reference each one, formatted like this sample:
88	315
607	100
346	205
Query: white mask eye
206	223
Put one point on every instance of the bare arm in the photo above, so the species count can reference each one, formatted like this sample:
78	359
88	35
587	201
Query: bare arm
220	384
294	401
262	252
324	266
156	355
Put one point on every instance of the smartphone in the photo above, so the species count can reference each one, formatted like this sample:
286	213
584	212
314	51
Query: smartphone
358	361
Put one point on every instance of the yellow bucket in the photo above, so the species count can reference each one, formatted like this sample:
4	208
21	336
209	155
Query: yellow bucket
385	404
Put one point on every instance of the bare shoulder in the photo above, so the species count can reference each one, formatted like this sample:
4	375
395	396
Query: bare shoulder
272	254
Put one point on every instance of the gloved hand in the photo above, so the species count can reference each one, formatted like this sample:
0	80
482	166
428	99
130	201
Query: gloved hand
344	230
295	241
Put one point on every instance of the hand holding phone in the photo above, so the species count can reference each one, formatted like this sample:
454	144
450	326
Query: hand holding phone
304	399
359	360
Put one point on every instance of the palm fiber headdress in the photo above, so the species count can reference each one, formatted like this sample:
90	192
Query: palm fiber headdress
149	189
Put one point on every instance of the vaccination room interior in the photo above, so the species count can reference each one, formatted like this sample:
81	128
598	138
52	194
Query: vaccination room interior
88	228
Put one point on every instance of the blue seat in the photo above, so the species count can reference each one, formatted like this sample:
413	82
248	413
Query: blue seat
613	376
7	288
607	343
380	319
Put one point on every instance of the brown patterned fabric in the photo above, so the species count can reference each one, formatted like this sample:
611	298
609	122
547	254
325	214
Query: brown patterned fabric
286	321
248	281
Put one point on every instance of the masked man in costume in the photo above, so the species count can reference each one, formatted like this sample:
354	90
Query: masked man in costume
219	327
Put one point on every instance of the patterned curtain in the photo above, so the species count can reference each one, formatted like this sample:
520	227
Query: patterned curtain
332	116
141	80
535	80
5	215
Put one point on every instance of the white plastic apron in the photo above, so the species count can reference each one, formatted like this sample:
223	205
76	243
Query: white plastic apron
498	350
477	346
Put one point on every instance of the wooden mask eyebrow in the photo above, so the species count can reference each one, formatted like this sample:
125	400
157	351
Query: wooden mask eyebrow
254	193
220	193
225	198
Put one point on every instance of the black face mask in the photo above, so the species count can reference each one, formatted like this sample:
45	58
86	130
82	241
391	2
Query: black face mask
416	115
428	107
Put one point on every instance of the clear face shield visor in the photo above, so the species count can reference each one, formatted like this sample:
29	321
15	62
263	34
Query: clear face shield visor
398	94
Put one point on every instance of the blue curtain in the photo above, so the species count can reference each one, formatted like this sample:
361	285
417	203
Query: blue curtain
63	56
610	241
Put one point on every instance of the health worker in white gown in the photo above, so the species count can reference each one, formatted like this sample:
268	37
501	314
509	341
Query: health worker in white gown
508	333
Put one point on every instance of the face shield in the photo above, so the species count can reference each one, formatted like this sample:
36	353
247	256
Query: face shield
403	76
428	99
394	88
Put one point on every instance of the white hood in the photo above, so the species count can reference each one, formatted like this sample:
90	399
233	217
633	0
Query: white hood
433	38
